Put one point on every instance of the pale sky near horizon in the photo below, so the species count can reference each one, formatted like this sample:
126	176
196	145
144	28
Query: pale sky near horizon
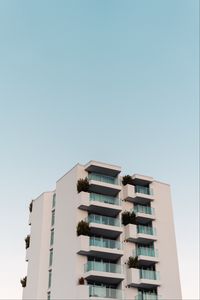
114	81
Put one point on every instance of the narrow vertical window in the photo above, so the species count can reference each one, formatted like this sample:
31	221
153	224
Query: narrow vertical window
48	296
52	237
53	218
49	282
54	201
50	257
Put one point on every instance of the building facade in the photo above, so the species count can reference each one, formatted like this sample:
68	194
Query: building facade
101	235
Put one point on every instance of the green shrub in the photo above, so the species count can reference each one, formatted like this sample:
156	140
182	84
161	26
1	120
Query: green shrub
27	241
128	218
125	218
81	281
133	262
83	185
23	282
31	206
83	228
127	179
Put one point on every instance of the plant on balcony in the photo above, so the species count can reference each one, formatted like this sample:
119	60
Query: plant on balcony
27	241
83	228
133	262
132	218
81	281
23	282
127	179
83	185
128	218
31	206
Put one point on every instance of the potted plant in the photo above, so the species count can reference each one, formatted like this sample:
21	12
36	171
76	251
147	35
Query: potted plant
125	218
27	241
133	262
31	206
127	179
23	282
128	218
83	228
83	185
81	281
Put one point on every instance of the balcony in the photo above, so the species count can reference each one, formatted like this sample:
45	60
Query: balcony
140	234
102	168
108	227
95	292
100	204
143	278
99	247
104	272
104	292
147	296
104	184
138	194
144	214
146	256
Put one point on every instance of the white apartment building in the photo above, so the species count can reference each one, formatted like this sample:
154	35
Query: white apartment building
101	235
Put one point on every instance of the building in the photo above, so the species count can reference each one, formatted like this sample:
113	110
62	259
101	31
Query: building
99	235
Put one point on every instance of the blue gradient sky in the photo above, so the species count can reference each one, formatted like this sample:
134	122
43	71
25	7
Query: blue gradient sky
114	81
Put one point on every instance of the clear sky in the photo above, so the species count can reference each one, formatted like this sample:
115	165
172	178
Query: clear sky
109	80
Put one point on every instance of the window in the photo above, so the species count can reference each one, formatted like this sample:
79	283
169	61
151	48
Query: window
53	218
49	282
50	257
52	237
54	201
48	296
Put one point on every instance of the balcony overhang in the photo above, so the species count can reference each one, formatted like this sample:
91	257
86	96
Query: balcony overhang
142	180
143	218
97	207
134	280
102	168
138	198
131	235
104	188
104	277
107	231
147	260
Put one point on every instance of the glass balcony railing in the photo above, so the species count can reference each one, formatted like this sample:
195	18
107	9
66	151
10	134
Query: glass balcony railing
143	190
144	209
104	292
106	243
146	230
105	199
148	274
103	220
103	178
147	296
146	251
102	267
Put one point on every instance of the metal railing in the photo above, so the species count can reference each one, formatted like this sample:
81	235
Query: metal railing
103	220
102	267
105	199
146	230
103	178
104	292
106	243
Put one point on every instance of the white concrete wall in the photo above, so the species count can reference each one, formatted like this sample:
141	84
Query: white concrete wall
67	265
37	273
166	243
